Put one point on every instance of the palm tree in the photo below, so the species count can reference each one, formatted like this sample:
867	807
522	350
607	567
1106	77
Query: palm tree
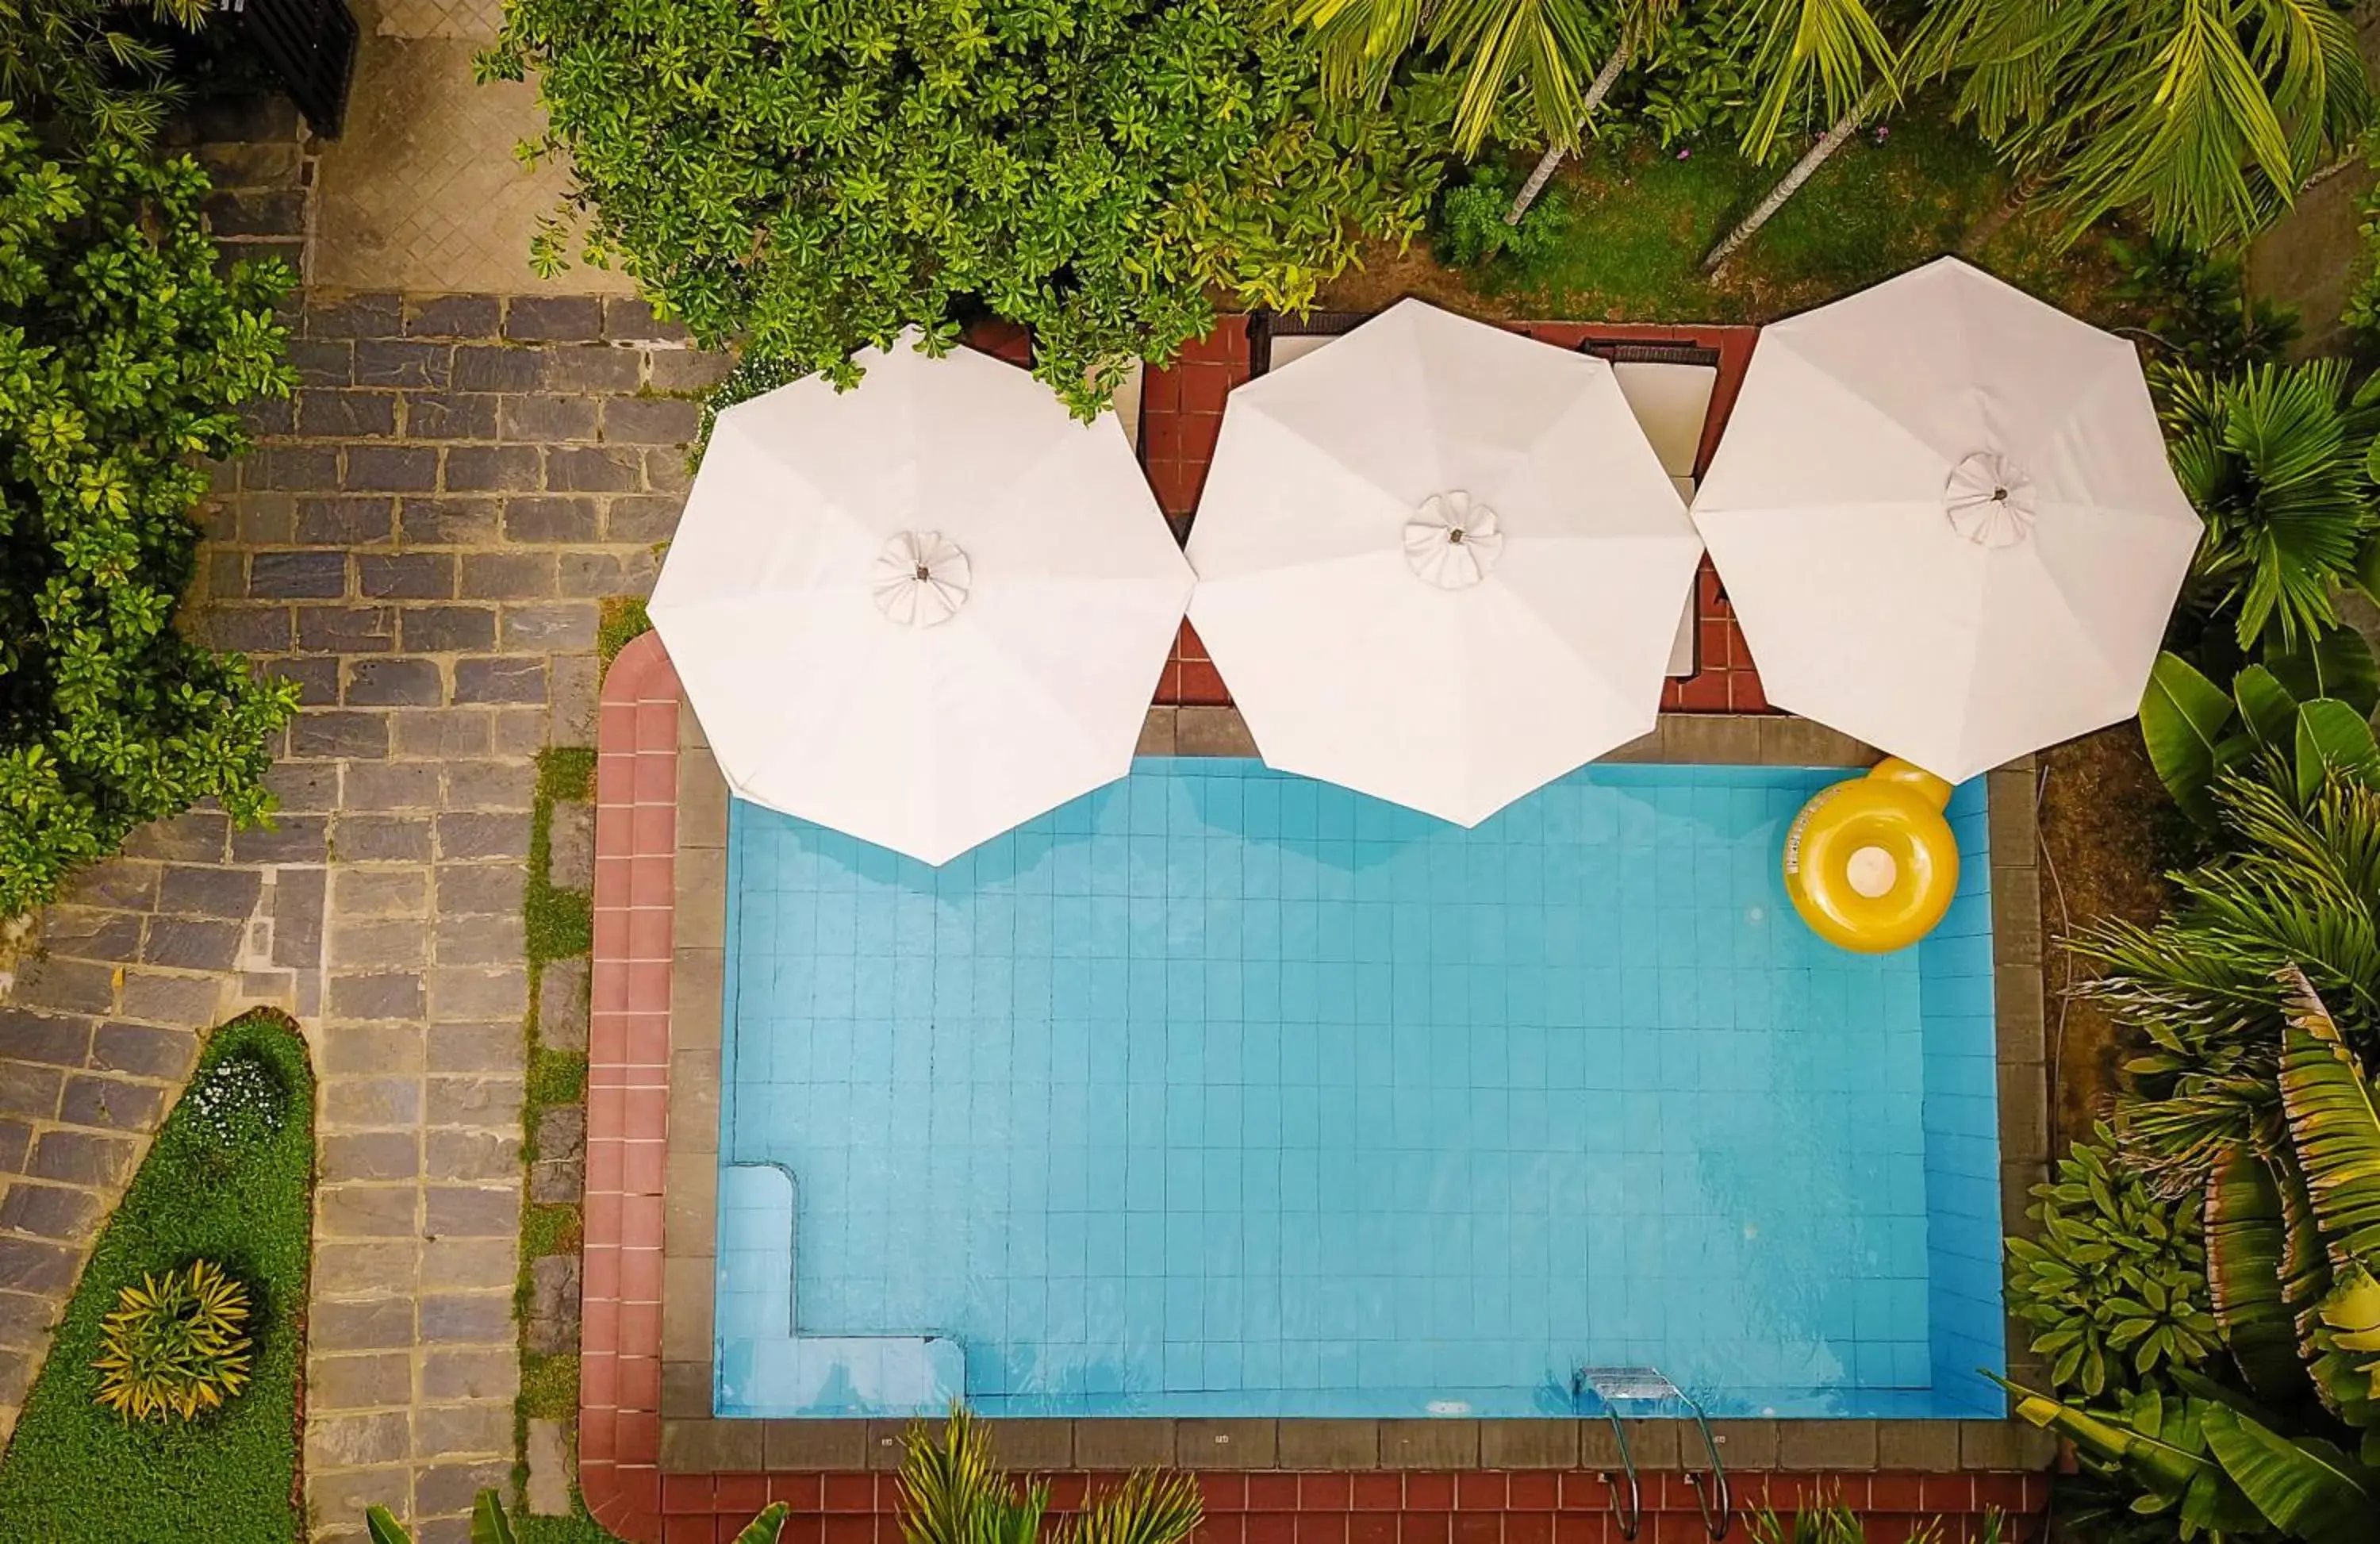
1546	48
1639	21
2210	115
2276	458
2301	891
1832	54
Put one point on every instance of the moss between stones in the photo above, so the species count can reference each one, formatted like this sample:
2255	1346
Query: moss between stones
77	1475
621	620
558	926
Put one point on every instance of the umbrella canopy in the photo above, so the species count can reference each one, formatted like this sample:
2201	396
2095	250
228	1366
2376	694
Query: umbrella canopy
1943	513
1439	564
924	610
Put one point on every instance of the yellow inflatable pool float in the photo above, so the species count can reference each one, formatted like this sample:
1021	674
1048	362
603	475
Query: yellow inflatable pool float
1870	863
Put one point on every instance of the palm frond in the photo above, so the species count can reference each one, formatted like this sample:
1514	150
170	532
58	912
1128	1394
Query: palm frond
1829	53
1150	1507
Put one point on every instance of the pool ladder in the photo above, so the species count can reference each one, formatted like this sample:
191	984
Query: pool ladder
1617	1386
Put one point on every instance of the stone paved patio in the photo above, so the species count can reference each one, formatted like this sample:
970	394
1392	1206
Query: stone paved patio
422	543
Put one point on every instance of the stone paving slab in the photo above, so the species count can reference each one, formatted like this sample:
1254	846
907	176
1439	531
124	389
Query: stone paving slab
421	190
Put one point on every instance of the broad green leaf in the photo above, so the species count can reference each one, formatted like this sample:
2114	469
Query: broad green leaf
382	1528
489	1523
2334	1127
2334	737
2309	1489
2183	716
764	1528
2345	1339
2245	1239
2266	708
2335	663
2161	1466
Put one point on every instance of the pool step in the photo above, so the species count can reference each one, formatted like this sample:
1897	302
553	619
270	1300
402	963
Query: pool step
1633	1386
764	1368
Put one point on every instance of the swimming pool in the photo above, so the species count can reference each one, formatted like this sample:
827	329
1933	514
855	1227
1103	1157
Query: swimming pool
1221	1092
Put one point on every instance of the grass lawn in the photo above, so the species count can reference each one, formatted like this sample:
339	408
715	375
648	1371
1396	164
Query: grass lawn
76	1474
1633	221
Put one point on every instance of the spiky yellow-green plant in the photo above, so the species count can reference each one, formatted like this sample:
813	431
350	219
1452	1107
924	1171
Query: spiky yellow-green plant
173	1347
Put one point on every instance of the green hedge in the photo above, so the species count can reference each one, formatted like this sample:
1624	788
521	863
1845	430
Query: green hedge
75	1473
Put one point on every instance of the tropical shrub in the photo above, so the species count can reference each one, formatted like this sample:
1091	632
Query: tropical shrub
2277	459
123	354
2303	713
490	1526
1468	228
2197	311
173	1347
2299	890
92	62
1694	79
951	1492
2115	1284
808	181
2292	1218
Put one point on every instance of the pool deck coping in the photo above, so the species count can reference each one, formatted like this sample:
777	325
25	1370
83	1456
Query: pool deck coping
693	1439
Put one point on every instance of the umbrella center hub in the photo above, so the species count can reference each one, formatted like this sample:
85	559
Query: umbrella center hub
1453	541
1989	500
921	578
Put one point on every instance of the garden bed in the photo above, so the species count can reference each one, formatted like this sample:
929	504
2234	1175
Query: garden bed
78	1473
1631	221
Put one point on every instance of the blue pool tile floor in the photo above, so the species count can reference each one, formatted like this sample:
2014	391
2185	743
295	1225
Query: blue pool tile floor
1220	1091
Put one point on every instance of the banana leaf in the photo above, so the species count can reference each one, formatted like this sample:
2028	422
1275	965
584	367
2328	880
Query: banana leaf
489	1523
2336	662
764	1528
2345	1337
2246	1239
2334	737
2334	1126
2185	719
383	1528
2266	708
2166	1467
2307	1489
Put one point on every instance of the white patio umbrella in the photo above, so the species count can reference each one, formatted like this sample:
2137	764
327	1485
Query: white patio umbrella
1943	513
1439	564
924	610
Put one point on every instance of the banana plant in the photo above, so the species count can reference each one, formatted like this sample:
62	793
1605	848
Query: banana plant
2292	1229
490	1526
2215	1465
2302	711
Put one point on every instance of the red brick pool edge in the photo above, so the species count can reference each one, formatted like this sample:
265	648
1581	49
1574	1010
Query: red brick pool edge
620	1419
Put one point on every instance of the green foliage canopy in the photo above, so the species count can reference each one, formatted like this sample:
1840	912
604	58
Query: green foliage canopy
123	355
811	176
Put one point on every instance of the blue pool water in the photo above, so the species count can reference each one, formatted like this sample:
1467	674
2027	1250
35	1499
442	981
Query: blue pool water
1224	1092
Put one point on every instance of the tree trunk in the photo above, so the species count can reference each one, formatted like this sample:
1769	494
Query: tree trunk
1980	235
1552	159
1828	142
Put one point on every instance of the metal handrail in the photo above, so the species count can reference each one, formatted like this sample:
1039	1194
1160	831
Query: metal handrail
1631	1518
1717	1528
